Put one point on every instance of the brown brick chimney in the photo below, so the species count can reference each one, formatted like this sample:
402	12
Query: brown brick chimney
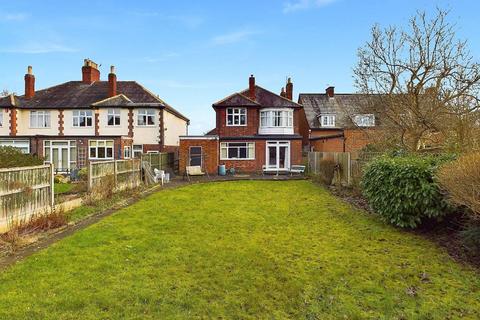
112	82
330	91
90	72
282	93
289	93
29	83
251	87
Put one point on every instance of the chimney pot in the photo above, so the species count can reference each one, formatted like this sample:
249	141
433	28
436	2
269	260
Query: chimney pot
251	87
289	92
330	91
90	72
282	93
29	83
112	82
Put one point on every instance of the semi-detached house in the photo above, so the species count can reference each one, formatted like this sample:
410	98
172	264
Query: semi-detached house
89	120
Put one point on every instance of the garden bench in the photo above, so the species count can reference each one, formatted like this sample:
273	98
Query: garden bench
297	169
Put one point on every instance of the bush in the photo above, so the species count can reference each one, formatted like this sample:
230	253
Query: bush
83	174
461	180
471	238
13	157
403	190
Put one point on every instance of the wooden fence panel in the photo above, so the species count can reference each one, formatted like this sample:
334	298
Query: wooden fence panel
160	161
117	174
342	161
24	192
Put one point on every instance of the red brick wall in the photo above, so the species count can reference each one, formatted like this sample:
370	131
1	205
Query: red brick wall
304	128
327	145
357	139
13	122
250	129
209	150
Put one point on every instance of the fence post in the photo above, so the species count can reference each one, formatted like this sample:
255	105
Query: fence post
90	178
349	168
115	173
52	186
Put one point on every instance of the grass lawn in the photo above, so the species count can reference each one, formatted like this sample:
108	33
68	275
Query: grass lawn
60	188
238	250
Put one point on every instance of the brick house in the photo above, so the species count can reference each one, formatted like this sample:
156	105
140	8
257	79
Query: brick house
254	127
79	121
333	122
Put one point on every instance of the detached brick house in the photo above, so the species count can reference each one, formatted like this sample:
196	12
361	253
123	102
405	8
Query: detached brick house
254	127
333	122
79	121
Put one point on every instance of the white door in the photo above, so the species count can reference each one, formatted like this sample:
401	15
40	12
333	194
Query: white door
278	155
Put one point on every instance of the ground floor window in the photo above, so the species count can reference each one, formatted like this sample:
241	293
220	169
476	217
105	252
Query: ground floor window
237	150
127	152
195	156
62	153
137	150
100	149
22	145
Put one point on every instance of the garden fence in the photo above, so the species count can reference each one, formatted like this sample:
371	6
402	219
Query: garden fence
160	161
342	161
115	174
24	192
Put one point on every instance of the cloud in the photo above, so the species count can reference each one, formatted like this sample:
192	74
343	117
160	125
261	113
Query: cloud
233	37
38	48
14	17
298	5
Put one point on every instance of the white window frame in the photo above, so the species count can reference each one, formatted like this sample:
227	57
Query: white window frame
147	113
21	144
40	119
116	114
268	118
104	142
79	114
359	120
137	148
48	146
127	152
250	150
327	120
236	113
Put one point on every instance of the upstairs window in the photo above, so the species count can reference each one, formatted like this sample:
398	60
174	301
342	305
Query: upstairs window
327	120
82	118
236	117
364	120
113	116
40	119
276	118
146	117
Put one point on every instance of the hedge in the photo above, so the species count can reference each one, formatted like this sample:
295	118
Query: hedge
12	157
404	190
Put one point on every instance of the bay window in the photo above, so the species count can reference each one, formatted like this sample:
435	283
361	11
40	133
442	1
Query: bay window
237	150
276	118
40	119
236	117
100	149
146	117
82	118
113	117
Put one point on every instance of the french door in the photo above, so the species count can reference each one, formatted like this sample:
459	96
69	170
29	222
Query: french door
278	155
59	153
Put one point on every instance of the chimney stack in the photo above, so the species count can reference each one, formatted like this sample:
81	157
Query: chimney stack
282	93
29	83
289	93
330	91
112	82
251	87
90	72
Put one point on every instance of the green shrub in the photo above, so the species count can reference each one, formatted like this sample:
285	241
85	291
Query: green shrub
12	157
83	174
403	190
471	237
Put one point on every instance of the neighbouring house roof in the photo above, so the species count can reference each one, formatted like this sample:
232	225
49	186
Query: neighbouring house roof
343	106
8	101
263	99
77	94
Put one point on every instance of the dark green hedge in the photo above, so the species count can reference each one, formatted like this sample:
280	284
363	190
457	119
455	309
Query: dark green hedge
12	157
403	190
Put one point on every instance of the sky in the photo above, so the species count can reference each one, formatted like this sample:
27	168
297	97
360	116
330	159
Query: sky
193	53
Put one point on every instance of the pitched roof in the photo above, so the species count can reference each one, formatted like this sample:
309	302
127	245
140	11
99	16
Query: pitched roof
343	106
8	101
263	98
77	94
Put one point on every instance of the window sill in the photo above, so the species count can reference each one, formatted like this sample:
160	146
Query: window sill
237	159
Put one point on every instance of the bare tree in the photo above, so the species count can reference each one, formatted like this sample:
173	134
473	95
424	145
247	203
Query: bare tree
422	78
4	93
